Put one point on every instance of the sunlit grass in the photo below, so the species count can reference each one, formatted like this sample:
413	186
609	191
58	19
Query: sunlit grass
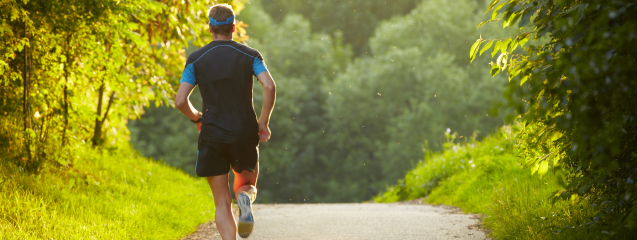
487	178
116	195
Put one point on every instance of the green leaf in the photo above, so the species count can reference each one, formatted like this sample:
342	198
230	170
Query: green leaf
496	48
524	39
474	49
494	69
481	24
486	47
514	45
504	47
530	162
62	161
543	167
528	13
534	168
514	72
499	62
495	11
511	20
492	4
583	189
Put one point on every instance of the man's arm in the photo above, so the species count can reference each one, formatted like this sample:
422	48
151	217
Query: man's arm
269	97
182	101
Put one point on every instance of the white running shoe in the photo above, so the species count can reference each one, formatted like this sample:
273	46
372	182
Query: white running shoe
246	219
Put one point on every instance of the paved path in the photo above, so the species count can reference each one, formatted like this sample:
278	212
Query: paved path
359	221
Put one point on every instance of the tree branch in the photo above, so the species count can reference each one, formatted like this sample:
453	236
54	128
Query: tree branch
110	101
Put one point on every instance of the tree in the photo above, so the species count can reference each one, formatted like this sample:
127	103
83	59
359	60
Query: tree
356	20
301	63
414	84
56	54
576	92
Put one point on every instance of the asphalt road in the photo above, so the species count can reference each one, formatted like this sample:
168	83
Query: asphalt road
356	221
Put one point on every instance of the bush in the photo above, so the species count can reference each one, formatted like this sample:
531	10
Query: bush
577	92
487	178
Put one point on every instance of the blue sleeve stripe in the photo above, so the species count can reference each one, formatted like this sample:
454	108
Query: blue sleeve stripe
188	76
258	66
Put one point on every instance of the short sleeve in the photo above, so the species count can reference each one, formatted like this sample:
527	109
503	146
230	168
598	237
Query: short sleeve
188	76
258	66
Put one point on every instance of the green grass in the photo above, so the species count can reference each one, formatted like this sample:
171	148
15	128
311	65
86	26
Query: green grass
115	195
487	177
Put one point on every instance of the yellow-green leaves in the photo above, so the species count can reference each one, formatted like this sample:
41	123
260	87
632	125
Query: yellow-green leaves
576	54
486	47
526	17
496	11
505	47
129	49
502	61
492	4
474	49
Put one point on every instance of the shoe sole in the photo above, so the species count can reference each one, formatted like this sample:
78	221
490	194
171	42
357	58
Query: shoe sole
245	229
246	219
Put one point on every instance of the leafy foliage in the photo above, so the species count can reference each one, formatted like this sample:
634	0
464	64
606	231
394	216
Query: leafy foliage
356	20
576	90
62	62
302	63
399	100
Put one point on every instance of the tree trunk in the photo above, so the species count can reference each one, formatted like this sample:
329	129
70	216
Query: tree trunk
108	106
25	100
98	124
99	121
66	101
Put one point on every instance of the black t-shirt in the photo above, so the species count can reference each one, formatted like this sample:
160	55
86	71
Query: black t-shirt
223	70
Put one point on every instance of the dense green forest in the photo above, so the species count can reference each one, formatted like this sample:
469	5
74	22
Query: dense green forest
347	125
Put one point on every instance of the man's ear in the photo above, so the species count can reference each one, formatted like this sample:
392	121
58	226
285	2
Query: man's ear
234	27
210	29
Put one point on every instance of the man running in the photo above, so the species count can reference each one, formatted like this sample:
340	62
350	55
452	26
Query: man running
229	130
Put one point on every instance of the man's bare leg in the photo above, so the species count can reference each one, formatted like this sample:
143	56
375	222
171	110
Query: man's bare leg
245	193
223	202
246	181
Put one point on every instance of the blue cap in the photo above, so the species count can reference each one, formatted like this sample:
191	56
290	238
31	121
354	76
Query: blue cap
214	22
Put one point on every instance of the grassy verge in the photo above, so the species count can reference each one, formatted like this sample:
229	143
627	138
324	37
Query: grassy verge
115	195
487	178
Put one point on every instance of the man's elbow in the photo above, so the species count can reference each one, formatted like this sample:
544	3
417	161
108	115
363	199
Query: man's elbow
270	88
180	103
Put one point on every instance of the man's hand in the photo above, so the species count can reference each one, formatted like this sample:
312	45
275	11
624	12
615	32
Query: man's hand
199	126
264	133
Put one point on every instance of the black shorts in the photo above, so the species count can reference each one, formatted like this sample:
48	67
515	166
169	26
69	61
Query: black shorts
214	159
